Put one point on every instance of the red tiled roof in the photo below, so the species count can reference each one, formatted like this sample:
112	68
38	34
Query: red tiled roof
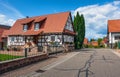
32	32
114	25
4	34
1	32
53	23
26	21
39	19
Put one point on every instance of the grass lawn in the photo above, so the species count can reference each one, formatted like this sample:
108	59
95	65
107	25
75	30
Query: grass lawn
4	57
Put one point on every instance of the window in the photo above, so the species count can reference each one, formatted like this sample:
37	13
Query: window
23	38
37	26
25	27
52	38
12	38
20	39
117	37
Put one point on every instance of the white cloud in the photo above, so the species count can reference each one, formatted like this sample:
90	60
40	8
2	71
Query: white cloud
8	14
116	2
93	34
96	17
6	21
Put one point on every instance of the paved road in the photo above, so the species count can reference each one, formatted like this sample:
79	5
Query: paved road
85	63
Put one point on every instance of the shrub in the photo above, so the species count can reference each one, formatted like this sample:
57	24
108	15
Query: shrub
5	48
102	46
90	46
85	46
119	44
96	47
115	45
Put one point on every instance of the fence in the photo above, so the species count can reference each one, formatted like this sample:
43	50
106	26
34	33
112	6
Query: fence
11	55
16	63
34	51
12	59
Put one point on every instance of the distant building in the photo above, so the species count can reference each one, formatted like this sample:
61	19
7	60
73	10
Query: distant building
94	43
2	29
42	30
85	41
104	41
113	32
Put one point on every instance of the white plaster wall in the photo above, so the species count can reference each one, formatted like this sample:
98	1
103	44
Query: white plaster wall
49	39
68	38
56	37
20	41
8	41
69	24
112	37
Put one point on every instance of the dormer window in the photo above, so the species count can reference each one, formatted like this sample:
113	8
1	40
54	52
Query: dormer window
37	26
25	27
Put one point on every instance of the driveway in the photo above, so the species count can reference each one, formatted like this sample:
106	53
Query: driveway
84	63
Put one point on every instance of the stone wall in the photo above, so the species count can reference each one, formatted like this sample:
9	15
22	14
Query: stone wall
14	64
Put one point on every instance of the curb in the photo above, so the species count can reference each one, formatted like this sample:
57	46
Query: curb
116	53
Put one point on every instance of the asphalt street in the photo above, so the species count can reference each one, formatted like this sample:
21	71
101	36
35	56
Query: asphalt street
85	63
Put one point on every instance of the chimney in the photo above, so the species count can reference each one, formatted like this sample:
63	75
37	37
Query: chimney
27	16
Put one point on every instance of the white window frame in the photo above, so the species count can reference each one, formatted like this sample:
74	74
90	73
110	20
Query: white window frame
12	39
25	27
53	36
37	26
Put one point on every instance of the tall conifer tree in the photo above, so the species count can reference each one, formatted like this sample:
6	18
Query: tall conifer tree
79	25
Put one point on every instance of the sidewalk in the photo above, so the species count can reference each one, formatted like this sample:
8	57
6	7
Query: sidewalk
60	60
30	69
116	52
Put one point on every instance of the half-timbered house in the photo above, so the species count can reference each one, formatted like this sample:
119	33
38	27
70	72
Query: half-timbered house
52	29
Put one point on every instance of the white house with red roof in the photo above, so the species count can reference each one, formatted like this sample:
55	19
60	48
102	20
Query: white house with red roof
113	32
42	30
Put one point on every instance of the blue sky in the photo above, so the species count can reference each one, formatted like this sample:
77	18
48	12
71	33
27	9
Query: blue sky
96	12
41	7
